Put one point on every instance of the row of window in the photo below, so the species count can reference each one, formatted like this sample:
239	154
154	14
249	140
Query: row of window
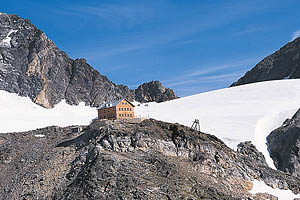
107	117
108	110
125	115
125	109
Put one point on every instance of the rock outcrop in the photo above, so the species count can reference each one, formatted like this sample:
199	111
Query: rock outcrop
31	65
154	91
283	64
150	160
284	144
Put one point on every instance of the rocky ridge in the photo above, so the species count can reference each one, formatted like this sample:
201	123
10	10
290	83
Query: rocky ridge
284	143
150	160
153	91
31	65
283	64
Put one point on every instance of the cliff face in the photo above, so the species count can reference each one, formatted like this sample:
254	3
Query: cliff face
150	160
283	64
284	143
154	91
31	65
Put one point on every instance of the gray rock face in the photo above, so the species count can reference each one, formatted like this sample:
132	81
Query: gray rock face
283	64
151	160
247	148
88	85
284	144
154	91
31	65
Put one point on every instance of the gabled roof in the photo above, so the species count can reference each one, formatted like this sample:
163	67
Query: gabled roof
114	103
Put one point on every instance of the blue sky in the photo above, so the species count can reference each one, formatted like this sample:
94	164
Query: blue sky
191	46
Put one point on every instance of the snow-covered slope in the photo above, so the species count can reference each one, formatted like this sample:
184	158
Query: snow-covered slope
236	114
247	112
244	113
21	114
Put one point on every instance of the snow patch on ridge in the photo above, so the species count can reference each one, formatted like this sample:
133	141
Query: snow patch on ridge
261	187
6	41
264	127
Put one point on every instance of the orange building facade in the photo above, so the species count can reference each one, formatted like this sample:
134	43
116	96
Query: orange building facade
120	109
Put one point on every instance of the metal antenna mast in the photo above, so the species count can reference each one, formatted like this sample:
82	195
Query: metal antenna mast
196	125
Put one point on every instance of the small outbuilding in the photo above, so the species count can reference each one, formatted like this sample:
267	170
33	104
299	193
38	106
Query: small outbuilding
120	109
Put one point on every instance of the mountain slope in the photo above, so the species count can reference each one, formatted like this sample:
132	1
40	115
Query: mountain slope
31	65
150	160
237	114
283	64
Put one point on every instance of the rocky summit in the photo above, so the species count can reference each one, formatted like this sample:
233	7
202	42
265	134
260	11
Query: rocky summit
283	64
31	65
154	91
284	145
147	160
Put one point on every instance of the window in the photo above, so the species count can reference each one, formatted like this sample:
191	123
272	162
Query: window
130	109
120	115
130	115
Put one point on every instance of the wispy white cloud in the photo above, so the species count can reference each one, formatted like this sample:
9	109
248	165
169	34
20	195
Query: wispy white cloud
295	34
216	75
208	70
203	84
175	29
207	79
250	30
116	14
215	68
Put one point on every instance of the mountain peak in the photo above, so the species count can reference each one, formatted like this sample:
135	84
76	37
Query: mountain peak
283	64
154	91
31	65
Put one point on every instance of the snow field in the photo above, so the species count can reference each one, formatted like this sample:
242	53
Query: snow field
232	114
244	113
21	114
